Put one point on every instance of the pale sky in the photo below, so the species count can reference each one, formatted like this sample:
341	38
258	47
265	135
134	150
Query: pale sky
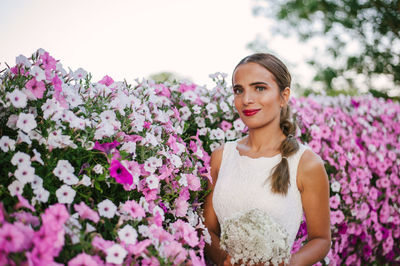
133	39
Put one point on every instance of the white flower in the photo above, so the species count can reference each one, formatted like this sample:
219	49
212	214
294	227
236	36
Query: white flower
16	187
152	181
200	121
25	173
85	181
230	134
217	133
175	160
12	121
18	98
116	254
65	194
185	111
214	145
37	157
37	182
80	73
66	165
70	179
196	109
144	230
98	169
129	147
26	122
128	234
253	236
107	208
183	181
38	73
203	131
42	194
22	60
211	108
189	95
238	124
20	159
108	115
224	107
22	137
89	228
335	186
152	163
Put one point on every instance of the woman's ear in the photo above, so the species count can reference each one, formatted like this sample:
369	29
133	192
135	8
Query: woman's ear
285	96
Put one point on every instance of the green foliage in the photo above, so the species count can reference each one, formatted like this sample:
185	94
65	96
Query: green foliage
373	27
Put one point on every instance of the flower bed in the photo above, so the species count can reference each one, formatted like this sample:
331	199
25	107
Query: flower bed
109	172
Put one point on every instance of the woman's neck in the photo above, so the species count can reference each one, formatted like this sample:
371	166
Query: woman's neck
264	140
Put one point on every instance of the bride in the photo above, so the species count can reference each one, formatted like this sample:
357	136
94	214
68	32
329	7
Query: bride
268	169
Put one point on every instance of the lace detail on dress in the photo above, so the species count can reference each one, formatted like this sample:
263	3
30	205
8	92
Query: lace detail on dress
243	184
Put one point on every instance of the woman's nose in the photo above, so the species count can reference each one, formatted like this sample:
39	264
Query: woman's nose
248	98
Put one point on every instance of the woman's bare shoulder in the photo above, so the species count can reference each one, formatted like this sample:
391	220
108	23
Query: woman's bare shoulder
311	170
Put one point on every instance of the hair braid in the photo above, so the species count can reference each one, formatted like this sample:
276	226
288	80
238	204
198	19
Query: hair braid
280	178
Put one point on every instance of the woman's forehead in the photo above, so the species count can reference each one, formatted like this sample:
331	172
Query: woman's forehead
250	73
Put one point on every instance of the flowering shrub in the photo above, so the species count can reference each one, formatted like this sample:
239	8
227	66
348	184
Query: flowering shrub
108	172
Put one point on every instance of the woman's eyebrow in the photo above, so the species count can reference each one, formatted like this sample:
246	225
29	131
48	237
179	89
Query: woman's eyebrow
259	83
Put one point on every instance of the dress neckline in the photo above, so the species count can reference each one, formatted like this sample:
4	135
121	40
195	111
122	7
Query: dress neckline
251	158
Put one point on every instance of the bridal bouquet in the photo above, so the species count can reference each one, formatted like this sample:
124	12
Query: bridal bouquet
252	236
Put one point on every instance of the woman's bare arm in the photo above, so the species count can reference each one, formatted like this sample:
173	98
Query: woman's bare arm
213	251
314	186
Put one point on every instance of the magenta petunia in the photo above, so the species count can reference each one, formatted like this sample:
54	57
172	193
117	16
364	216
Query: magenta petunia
106	147
106	80
120	173
36	87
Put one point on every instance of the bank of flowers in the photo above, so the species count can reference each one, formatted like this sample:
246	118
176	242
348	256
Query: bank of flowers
103	173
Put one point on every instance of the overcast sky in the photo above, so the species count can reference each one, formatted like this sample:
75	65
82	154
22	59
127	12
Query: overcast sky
131	39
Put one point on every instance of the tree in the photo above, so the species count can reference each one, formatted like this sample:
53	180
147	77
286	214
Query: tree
364	37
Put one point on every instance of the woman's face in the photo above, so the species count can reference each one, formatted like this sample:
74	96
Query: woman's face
257	96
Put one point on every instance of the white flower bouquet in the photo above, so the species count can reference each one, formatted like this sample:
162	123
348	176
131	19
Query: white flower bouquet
254	237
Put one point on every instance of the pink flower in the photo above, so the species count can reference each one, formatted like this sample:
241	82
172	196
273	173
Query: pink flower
119	172
48	61
24	203
225	125
99	243
106	147
174	250
11	238
150	262
85	212
185	231
337	217
193	182
334	201
139	247
36	87
55	216
106	80
134	209
315	145
181	207
82	259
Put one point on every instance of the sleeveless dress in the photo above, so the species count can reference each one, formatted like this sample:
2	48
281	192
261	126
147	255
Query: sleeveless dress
243	184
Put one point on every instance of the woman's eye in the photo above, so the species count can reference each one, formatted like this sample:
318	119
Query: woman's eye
260	88
237	91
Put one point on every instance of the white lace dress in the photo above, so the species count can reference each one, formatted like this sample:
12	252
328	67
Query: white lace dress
242	185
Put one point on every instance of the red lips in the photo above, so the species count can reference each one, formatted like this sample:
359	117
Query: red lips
250	112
